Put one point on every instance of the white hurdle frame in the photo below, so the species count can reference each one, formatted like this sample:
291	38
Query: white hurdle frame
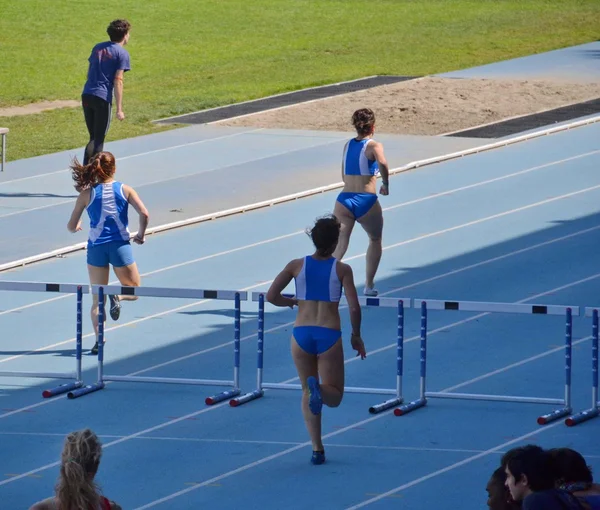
60	288
593	411
179	293
490	307
397	399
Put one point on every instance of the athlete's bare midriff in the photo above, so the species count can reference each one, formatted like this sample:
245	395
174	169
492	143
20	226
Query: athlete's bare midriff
360	184
318	313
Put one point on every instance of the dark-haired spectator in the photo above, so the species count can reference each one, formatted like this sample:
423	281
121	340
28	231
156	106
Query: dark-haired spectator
571	473
108	62
530	480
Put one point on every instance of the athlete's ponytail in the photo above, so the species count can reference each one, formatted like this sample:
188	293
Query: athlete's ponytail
79	463
100	168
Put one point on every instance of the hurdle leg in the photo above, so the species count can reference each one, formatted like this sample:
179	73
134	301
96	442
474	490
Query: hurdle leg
422	400
226	395
398	399
566	410
78	383
259	391
91	388
593	411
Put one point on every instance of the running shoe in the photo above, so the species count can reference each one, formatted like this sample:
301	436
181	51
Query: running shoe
370	291
115	307
318	457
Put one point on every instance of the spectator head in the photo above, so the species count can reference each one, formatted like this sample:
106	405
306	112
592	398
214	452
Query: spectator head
527	470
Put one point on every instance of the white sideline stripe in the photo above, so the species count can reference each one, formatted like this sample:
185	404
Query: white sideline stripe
514	365
167	268
495	259
283	443
408	241
186	176
197	142
495	179
475	317
315	191
14	213
431	279
495	449
488	218
126	324
411	202
217	406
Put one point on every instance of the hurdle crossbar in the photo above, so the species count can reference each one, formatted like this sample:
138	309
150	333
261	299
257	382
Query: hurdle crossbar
594	410
490	307
102	290
61	288
398	303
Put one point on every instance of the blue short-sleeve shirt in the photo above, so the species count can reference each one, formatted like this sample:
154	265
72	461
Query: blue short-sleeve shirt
105	60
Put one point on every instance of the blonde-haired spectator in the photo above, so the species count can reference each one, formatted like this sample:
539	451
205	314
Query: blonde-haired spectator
76	488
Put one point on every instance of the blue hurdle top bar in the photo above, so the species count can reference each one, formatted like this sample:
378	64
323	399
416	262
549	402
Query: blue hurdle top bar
589	311
482	306
362	300
61	288
170	292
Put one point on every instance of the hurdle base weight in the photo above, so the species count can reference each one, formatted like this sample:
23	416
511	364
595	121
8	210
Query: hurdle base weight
553	416
384	406
248	397
586	415
220	397
63	388
90	388
411	406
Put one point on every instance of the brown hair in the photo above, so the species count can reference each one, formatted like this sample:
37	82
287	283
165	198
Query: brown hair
81	455
100	168
118	29
363	120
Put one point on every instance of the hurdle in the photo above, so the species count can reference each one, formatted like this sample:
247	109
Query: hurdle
593	411
397	399
488	307
61	288
102	290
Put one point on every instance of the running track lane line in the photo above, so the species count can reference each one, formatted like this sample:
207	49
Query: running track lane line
218	214
287	324
258	442
451	467
141	154
404	204
186	176
401	243
332	434
285	452
149	273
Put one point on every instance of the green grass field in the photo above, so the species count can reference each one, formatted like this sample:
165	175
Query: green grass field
188	55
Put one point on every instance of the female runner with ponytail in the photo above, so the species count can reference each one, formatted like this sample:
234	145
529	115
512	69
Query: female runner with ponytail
107	203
